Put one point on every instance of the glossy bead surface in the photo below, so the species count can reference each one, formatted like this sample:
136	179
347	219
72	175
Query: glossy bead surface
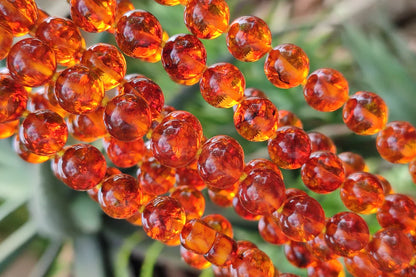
188	176
243	212
331	268
171	2
360	265
87	127
412	170
8	129
223	250
288	118
219	223
298	255
223	197
20	15
188	118
25	154
320	142
270	231
13	98
191	200
193	259
385	184
6	40
352	162
260	163
397	210
124	154
93	16
198	236
155	179
253	262
320	249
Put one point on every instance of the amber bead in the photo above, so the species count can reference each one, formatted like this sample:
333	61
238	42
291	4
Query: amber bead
87	127
288	118
286	66
127	117
221	162
385	184
397	210
39	100
123	6
191	200
31	62
331	268
301	218
243	212
124	153
25	154
13	99
288	275
270	231
79	90
320	249
323	172
120	196
198	236
135	219
409	271
253	262
193	259
163	218
291	192
155	179
352	162
360	265
188	118
82	166
171	2
206	19
362	193
219	223
6	40
320	142
254	92
256	119
223	250
396	143
20	15
326	90
248	38
188	176
260	163
298	255
43	132
390	250
93	16
93	193
8	129
290	148
184	58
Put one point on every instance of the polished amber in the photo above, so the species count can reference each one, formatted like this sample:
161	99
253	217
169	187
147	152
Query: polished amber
87	127
188	176
320	249
290	148
291	192
397	142
43	132
288	118
253	262
13	99
123	6
298	254
127	117
193	259
320	142
352	162
31	62
256	119
120	196
206	19
25	154
260	163
385	184
184	58
223	197
124	153
223	250
243	212
286	66
82	167
79	90
323	172
20	15
219	223
191	200
6	40
270	231
188	118
221	162
93	16
155	179
39	100
198	236
301	218
163	218
288	275
222	85
362	193
326	90
64	37
8	129
360	265
171	2
397	210
248	38
331	268
136	219
254	92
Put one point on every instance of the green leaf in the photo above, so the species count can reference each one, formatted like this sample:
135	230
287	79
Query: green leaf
123	255
150	259
44	265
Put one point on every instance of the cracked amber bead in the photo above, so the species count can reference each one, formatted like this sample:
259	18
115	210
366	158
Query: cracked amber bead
87	127
397	210
219	223
93	16
20	15
124	154
13	99
320	142
191	200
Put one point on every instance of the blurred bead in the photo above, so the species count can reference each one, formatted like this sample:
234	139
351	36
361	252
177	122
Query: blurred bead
288	275
197	236
352	162
124	154
243	212
123	6
320	249
223	250
87	127
193	259
13	99
291	192
223	197
20	15
219	223
298	255
270	231
39	100
288	118
6	40
253	92
188	176
8	129
385	184
253	262
320	142
397	210
360	265
21	150
136	219
171	2
188	118
93	16
331	268
191	200
155	179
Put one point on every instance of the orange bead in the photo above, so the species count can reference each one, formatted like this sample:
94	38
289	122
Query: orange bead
184	58
362	193
8	129
397	210
320	249
326	90
127	117
385	184
123	6
352	162
6	40
187	176
360	265
248	38
25	154
270	231
39	100
222	197
163	218
412	170
332	268
256	119
155	179
195	260
221	162
262	164
93	16
171	2
136	219
290	148
223	250
93	193
320	142
43	132
87	127
124	153
323	172
291	192
120	196
13	99
301	218
20	15
31	62
206	19
219	223
298	255
191	200
253	262
288	118
253	92
79	90
288	275
397	142
188	118
198	236
64	37
243	212
286	66
42	15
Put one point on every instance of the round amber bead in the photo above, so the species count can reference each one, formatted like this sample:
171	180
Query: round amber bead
326	90
270	231
43	132
93	16
8	129
286	66
13	99
256	119
360	265
223	197
197	236
79	90
288	275
331	268
412	170
320	142
262	164
221	162
298	254
253	262
223	250
248	38
193	259
243	212
155	179
301	218
25	154
288	118
184	58
123	6
320	249
191	200
127	117
163	218
219	223
82	167
120	196
291	192
385	184
171	2
352	162
20	15
206	19
253	92
188	176
290	148
323	172
31	62
188	118
87	127
124	154
397	210
397	142
39	100
6	40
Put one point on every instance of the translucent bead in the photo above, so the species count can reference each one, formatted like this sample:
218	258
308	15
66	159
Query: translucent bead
135	219
288	118
197	236
243	245
222	85
13	99
20	15
39	100
191	200
120	196
93	193
361	265
290	148
248	38
219	223
93	16
396	143
223	250
320	142
8	129
288	275
291	192
124	154
385	184
43	132
270	231
188	118
87	127
163	218
123	6
188	176
331	268
323	172
193	259
42	15
21	150
326	90
286	66
223	197
127	117
184	58
155	179
397	210
31	62
352	162
253	92
171	2
256	119
6	40
206	19
298	255
320	249
79	90
260	163
243	212
253	262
